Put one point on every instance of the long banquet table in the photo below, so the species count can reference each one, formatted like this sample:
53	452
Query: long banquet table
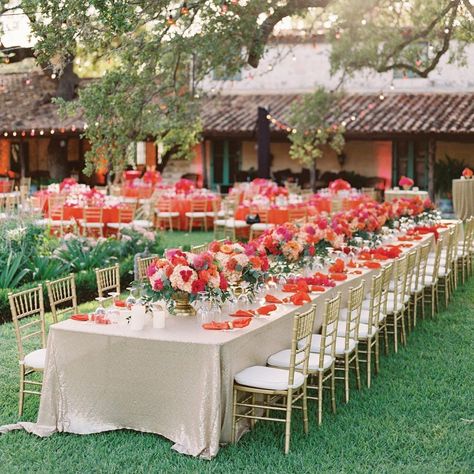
176	382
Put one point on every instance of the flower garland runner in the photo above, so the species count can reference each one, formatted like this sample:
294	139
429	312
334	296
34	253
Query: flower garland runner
284	249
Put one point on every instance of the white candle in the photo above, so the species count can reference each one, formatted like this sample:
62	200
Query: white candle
137	320
158	319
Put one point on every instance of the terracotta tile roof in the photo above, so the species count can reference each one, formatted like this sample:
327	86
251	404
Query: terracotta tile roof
25	105
363	114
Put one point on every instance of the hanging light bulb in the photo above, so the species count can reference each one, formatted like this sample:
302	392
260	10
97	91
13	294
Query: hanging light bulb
171	20
224	7
184	9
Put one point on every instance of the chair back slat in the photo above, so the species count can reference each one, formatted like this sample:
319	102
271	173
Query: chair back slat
301	343
329	328
354	306
108	280
62	296
142	264
27	310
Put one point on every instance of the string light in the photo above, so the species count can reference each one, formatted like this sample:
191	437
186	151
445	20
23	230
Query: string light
184	9
334	127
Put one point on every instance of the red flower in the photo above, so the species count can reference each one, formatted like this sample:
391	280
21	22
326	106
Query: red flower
185	275
223	282
157	285
198	286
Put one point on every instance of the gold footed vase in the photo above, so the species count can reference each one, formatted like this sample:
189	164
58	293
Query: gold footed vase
182	306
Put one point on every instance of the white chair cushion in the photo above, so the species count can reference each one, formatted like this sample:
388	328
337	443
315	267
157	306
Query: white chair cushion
92	225
142	223
42	222
235	223
340	345
268	378
282	360
220	222
53	222
196	214
261	226
36	359
430	271
167	214
117	225
364	331
216	214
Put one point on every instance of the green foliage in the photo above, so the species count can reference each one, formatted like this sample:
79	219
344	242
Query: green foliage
445	171
12	273
155	68
311	128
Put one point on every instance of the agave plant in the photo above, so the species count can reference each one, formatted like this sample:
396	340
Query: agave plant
12	272
43	268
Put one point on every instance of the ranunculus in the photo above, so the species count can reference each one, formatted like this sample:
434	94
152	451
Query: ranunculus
158	285
223	282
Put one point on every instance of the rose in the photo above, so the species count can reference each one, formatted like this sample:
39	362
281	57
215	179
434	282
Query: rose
406	182
467	173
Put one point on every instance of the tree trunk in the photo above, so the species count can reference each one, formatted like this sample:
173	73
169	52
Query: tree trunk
431	167
67	83
57	159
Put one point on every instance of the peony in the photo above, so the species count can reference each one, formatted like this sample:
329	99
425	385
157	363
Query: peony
182	278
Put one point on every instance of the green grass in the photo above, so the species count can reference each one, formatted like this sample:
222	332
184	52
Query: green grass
414	419
185	239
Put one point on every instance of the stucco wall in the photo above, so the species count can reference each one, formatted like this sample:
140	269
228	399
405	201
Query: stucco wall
458	150
364	157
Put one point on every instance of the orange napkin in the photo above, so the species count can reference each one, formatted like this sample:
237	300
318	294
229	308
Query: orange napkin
318	288
120	304
417	237
242	313
80	317
338	276
240	323
216	326
290	288
352	264
264	310
300	298
372	265
337	266
356	272
407	246
273	299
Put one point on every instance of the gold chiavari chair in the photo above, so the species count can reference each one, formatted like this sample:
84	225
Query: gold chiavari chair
412	275
126	215
108	280
260	227
463	257
418	284
62	296
56	220
396	302
142	266
92	220
27	310
165	214
198	214
275	384
444	273
369	330
298	214
323	346
199	248
233	225
431	277
347	353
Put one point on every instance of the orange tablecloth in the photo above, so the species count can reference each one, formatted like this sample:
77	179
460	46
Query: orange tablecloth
139	193
6	186
184	205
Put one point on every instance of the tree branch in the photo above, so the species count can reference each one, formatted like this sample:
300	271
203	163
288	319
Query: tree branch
265	30
469	7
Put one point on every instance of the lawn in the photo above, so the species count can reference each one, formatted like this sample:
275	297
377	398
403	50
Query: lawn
185	239
416	418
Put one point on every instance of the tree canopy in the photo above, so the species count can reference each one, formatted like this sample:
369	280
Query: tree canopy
157	53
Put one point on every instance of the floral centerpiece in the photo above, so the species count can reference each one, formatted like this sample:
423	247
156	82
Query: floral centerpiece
339	185
180	277
243	265
406	183
184	186
467	173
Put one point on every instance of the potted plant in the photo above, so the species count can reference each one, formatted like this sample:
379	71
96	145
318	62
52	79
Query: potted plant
445	171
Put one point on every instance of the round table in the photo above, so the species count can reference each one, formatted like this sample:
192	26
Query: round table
463	198
391	194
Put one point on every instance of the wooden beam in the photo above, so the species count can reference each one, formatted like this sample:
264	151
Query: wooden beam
263	143
431	167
